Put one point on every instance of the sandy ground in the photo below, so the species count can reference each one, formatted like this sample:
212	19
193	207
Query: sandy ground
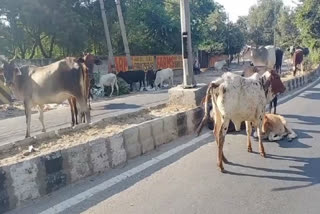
80	137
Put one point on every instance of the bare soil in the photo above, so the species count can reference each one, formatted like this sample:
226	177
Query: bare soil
112	127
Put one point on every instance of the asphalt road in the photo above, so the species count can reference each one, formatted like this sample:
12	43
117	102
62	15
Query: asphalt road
182	177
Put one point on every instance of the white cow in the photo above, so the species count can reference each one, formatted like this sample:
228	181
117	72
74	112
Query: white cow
109	79
164	75
262	56
219	65
240	99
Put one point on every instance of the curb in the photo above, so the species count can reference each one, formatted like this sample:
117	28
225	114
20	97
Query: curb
30	179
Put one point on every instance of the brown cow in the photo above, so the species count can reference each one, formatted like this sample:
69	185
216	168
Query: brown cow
297	60
90	61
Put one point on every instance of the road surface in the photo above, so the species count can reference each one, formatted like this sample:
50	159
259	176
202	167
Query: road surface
182	177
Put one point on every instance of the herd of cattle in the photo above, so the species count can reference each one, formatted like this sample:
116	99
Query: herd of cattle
235	98
69	79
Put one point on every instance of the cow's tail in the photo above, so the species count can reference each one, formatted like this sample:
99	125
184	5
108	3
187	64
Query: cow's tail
207	98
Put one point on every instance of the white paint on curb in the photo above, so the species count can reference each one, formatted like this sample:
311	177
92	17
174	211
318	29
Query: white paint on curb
123	176
289	96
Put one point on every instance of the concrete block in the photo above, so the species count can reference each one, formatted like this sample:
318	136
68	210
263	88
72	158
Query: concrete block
64	130
170	128
99	159
182	124
54	177
24	180
131	142
145	137
4	194
190	124
45	135
187	97
197	116
77	162
117	150
158	131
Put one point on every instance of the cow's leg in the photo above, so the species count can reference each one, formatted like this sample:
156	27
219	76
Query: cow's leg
275	103
117	87
301	68
249	131
221	138
259	130
171	81
27	110
72	109
270	106
84	110
41	117
112	86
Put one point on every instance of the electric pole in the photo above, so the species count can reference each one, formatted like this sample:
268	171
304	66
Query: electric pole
188	77
124	35
107	34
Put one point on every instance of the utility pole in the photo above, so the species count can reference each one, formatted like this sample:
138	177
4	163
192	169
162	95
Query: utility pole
124	35
188	77
107	34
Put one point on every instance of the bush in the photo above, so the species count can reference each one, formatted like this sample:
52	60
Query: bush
315	56
124	88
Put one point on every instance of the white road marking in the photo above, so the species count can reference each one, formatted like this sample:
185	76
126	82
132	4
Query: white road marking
119	178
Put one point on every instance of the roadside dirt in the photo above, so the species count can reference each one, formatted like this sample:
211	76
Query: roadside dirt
114	126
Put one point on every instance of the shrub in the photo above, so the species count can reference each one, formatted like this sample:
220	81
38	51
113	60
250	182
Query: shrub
124	88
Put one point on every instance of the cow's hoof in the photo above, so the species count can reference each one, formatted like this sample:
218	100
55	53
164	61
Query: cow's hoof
250	149
263	154
43	130
221	168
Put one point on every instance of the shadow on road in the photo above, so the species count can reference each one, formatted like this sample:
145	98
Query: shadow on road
308	120
121	106
309	172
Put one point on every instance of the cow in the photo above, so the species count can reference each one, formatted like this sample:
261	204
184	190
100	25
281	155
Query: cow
249	71
297	60
54	83
262	56
292	49
279	58
90	61
151	76
275	128
164	75
219	65
109	80
133	76
235	98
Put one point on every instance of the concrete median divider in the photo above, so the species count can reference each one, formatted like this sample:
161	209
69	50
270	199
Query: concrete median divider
30	179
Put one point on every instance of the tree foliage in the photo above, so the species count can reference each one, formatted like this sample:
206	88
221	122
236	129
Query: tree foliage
59	28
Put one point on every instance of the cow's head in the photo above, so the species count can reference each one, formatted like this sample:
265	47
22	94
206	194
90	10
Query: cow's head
9	71
90	60
272	84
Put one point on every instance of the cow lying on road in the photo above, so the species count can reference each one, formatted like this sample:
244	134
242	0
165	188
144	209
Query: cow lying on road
55	83
275	128
235	98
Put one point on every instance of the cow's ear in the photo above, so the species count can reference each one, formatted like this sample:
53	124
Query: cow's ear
17	71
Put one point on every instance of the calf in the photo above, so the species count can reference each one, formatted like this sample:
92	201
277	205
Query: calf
109	80
55	83
133	76
164	75
235	98
275	128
